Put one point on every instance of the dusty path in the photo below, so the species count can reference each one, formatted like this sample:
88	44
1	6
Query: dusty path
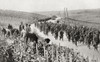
83	49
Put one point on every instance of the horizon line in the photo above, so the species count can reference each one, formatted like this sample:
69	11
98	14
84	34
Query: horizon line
46	11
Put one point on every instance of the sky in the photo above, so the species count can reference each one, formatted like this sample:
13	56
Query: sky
48	5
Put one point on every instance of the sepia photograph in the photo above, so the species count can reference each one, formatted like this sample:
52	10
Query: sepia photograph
49	30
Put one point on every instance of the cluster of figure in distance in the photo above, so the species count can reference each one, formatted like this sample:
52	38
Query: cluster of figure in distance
75	33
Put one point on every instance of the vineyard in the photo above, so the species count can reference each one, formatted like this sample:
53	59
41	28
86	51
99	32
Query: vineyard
50	53
16	50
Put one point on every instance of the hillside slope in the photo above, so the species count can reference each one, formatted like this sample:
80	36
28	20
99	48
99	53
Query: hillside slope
90	15
19	14
15	17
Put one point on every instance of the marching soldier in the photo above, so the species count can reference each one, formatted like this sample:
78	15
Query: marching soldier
10	27
56	34
21	26
61	34
28	29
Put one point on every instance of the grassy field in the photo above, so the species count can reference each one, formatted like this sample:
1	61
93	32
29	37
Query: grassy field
91	15
15	17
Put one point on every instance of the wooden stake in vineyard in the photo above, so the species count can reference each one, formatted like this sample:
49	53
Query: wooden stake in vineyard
44	51
70	57
52	52
57	54
36	49
47	56
66	55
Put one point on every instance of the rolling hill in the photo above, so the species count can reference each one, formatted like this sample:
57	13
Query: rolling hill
15	17
90	15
